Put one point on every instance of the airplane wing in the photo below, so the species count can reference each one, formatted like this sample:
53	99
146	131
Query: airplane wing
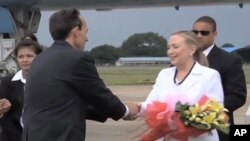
111	4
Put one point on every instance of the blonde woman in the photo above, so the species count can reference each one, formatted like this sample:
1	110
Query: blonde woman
187	78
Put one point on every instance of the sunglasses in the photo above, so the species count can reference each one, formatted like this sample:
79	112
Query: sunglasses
202	32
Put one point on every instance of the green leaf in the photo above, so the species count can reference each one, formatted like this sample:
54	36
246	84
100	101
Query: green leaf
180	107
225	130
200	126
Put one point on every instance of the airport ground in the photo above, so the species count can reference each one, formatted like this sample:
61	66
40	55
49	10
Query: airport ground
129	130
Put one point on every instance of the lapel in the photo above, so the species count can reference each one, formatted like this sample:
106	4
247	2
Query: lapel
215	58
19	90
194	76
212	56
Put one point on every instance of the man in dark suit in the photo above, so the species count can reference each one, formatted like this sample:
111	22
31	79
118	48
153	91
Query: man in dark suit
228	65
64	89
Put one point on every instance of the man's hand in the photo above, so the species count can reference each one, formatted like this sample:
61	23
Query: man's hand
4	106
134	109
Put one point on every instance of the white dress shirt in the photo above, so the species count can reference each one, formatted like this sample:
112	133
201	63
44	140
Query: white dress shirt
19	76
207	51
201	81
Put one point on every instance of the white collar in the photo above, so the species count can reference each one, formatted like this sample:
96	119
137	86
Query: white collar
19	76
196	70
206	51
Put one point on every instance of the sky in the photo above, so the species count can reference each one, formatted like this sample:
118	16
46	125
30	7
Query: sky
115	26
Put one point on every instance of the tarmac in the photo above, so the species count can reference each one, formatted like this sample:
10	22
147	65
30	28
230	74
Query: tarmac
132	130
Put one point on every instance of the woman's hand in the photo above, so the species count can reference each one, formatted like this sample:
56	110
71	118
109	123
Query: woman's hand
133	109
4	106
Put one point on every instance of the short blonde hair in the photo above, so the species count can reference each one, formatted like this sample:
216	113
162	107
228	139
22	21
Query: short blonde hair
191	39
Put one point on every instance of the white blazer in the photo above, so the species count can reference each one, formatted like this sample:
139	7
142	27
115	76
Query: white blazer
201	81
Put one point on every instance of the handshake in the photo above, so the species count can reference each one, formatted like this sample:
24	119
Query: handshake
4	106
133	110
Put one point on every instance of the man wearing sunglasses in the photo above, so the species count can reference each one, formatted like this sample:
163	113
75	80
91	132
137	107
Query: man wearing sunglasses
229	66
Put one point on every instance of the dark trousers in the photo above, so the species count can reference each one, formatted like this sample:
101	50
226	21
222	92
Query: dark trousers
223	136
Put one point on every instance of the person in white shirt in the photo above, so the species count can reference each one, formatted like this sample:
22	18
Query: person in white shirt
12	89
188	77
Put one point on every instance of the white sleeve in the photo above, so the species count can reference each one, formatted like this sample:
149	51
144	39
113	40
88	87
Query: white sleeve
214	87
152	96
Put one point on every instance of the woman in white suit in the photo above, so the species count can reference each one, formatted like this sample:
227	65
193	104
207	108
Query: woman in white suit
189	77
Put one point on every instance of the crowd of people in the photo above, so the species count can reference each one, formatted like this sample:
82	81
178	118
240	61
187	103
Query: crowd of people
55	91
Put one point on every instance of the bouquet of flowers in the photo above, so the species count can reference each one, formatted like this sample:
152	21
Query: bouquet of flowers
188	120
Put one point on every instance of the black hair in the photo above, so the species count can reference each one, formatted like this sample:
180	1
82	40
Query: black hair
30	36
62	22
208	20
28	43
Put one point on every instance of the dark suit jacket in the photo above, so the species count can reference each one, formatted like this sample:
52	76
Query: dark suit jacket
233	80
10	122
62	84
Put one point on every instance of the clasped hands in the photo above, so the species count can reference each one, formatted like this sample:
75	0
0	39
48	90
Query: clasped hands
4	106
134	109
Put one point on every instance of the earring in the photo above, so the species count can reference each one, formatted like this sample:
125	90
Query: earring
191	54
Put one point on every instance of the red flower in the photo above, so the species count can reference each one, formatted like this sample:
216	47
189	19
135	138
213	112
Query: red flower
164	122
